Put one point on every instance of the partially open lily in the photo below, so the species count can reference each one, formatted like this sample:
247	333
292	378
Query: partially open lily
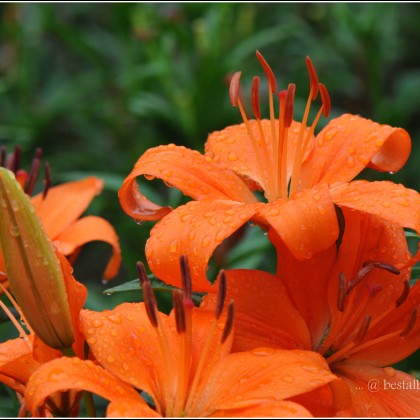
60	208
183	362
304	178
355	307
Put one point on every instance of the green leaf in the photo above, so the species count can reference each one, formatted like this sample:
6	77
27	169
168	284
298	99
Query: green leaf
157	286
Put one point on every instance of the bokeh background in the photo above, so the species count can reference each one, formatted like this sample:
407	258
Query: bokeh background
95	85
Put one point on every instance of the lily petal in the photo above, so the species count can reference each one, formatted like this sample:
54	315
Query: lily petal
242	380
132	336
265	410
127	408
381	392
233	147
88	229
65	203
16	363
258	322
73	373
194	174
299	221
348	144
393	202
194	229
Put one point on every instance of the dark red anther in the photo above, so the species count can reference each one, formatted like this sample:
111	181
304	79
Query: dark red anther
234	88
179	311
221	296
47	180
141	272
255	97
313	78
341	295
2	156
326	102
34	172
410	324
404	295
229	322
268	72
289	106
361	334
186	278
368	266
150	303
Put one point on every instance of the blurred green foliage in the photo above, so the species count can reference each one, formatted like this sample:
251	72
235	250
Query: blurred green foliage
95	85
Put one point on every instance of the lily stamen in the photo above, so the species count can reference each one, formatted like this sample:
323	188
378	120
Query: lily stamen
410	324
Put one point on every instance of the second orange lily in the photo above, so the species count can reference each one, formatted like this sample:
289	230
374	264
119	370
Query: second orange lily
304	178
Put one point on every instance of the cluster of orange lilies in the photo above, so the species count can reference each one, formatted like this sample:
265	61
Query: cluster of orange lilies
316	338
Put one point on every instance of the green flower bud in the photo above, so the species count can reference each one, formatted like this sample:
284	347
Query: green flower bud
32	267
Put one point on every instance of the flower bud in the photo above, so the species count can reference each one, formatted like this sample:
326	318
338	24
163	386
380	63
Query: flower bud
32	267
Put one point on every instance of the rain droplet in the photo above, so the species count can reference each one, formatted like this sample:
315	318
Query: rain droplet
330	134
390	371
14	231
232	156
288	379
115	318
149	177
97	323
110	358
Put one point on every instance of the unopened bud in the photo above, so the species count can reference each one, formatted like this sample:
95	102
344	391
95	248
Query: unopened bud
32	267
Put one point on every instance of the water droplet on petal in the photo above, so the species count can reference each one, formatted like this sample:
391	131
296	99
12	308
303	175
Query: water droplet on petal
97	323
232	156
149	177
14	231
115	318
288	379
110	358
390	371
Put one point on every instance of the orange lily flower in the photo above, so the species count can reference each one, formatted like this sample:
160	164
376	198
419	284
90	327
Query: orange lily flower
21	357
303	178
183	362
354	306
60	208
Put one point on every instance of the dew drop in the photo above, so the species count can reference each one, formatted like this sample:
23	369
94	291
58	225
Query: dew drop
263	352
173	246
386	204
115	318
139	222
232	156
110	358
97	323
390	371
288	379
14	231
330	134
149	177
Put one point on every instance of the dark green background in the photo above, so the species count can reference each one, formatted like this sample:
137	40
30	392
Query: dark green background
95	85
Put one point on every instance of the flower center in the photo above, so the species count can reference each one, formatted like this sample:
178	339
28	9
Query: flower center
350	331
271	151
27	180
184	383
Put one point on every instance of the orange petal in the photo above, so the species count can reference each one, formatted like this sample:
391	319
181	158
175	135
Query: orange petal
88	229
393	202
242	380
16	363
76	295
233	147
194	229
348	144
258	322
195	175
129	409
133	352
381	392
395	348
65	203
271	409
307	223
73	373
